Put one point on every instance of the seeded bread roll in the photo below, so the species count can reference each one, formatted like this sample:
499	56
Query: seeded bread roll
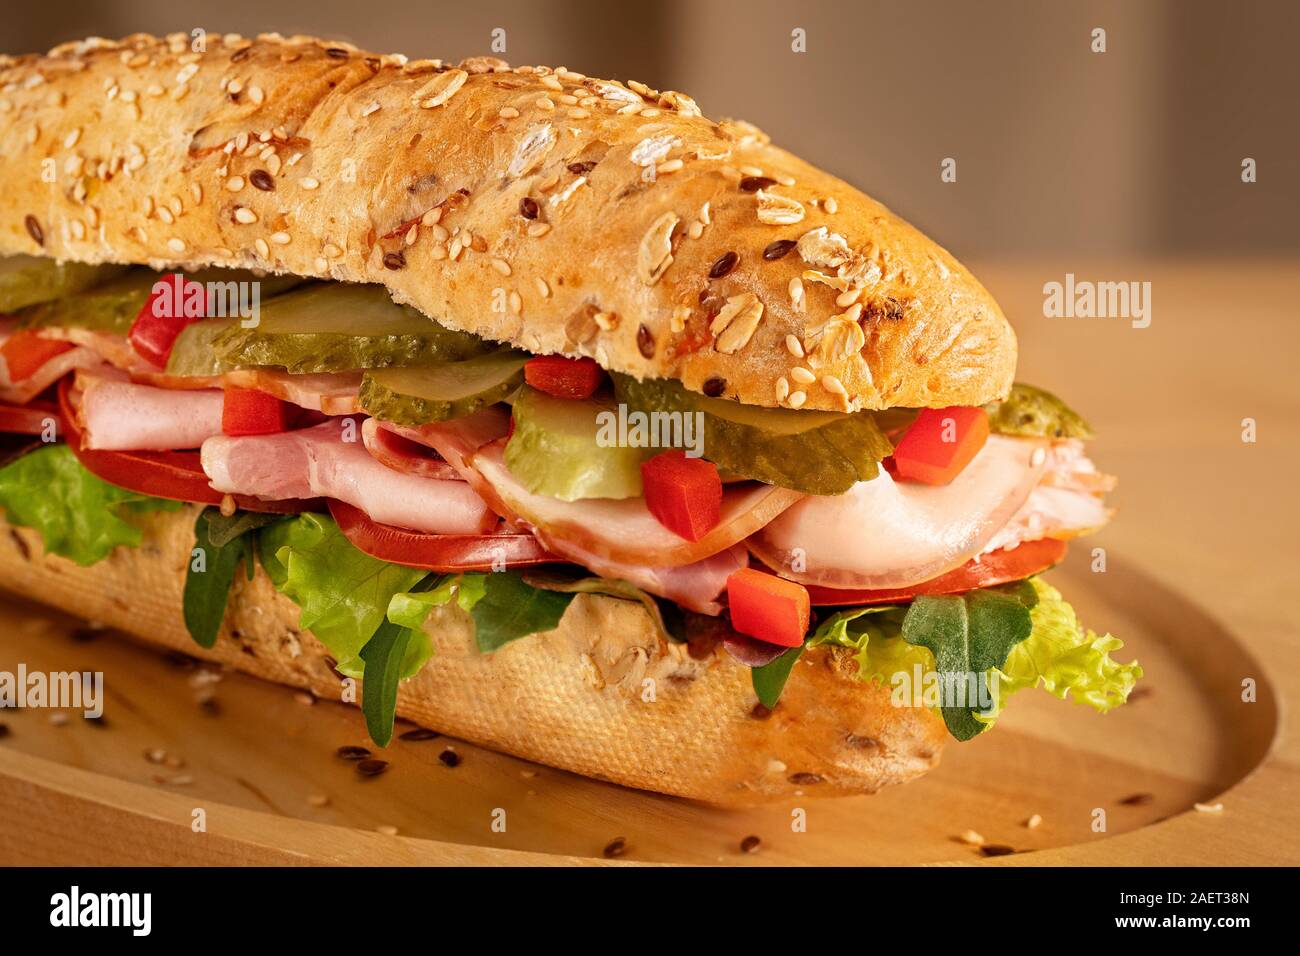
576	698
543	208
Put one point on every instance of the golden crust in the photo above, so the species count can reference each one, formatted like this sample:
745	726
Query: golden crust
601	695
298	155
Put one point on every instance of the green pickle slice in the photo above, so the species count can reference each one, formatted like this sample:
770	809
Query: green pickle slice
338	327
435	393
1030	411
31	280
113	306
818	453
556	451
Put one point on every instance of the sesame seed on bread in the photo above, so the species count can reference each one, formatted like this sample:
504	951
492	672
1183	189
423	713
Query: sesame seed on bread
544	208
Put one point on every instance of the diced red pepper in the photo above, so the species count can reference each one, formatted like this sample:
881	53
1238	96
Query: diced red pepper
246	411
940	443
684	494
164	316
768	608
26	351
564	377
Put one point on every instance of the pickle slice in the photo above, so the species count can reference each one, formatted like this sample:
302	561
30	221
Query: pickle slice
193	354
337	327
557	449
818	453
1035	412
113	306
30	280
419	395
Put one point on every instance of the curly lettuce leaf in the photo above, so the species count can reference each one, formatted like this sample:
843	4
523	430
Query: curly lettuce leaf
876	634
1064	659
343	593
79	516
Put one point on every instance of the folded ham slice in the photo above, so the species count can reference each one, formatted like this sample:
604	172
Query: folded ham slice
334	393
892	534
20	393
319	462
404	454
623	531
119	415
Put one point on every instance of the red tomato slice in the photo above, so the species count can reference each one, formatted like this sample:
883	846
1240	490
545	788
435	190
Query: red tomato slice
176	475
26	351
684	494
437	552
997	567
246	411
29	419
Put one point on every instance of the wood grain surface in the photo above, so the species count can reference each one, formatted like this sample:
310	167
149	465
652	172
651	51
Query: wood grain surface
1200	584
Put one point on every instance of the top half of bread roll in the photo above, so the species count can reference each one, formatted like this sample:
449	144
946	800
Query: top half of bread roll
545	208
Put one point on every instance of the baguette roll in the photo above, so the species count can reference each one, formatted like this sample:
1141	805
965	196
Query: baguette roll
601	695
551	210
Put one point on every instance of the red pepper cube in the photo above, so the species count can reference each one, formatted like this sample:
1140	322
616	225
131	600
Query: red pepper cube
768	608
684	494
173	303
26	351
564	377
940	443
246	411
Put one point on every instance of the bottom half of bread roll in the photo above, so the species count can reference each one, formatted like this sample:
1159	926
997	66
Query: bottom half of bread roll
601	695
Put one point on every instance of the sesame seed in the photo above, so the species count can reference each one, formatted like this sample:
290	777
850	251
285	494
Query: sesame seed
165	215
235	183
1038	457
1034	822
695	230
176	206
321	264
516	303
848	297
854	312
245	215
539	229
256	95
793	347
830	205
507	112
542	288
833	385
332	251
971	838
578	113
235	88
293	160
782	389
281	238
432	217
175	244
501	266
70	140
669	167
552	81
797	399
412	234
802	375
545	103
197	192
372	107
307	182
439	232
262	248
78	229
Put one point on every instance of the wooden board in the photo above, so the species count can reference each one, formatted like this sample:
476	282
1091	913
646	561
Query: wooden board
1201	514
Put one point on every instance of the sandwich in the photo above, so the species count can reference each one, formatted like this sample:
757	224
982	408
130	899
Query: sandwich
533	408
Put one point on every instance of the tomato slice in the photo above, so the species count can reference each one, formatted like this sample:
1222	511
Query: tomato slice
768	608
997	567
29	419
176	475
684	494
437	552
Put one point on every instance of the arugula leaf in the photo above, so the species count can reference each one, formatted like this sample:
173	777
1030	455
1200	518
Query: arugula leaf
207	587
343	592
968	635
79	516
510	609
769	680
1035	412
222	529
383	656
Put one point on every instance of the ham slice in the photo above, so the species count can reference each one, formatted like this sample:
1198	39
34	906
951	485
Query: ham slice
623	531
890	534
1066	502
334	393
319	462
404	454
119	415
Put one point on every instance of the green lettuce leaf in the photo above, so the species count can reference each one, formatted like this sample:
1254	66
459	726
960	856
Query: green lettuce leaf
1064	659
876	634
343	593
79	516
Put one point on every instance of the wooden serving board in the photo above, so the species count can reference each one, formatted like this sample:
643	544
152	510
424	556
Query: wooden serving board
260	761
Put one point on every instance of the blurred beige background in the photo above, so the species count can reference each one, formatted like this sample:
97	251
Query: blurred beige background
1059	150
